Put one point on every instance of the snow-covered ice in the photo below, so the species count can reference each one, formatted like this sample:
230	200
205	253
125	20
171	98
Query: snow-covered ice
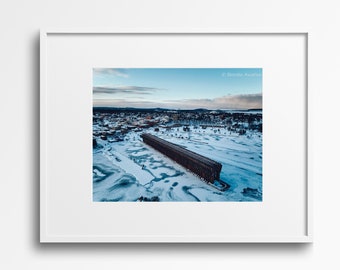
130	170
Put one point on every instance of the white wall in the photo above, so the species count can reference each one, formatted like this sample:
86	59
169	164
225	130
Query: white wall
20	22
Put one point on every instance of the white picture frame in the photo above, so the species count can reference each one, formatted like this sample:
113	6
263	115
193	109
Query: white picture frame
67	212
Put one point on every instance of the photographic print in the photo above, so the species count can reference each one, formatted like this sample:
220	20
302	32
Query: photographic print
177	134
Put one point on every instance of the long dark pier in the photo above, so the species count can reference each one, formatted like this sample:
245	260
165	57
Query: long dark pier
204	167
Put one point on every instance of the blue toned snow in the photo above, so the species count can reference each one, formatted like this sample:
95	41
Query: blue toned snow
130	170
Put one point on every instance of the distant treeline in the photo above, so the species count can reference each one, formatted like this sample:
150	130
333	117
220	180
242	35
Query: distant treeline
150	110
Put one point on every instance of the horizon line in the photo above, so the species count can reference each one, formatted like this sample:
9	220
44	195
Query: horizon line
178	109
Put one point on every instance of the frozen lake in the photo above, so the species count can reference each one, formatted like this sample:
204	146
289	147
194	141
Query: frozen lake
130	170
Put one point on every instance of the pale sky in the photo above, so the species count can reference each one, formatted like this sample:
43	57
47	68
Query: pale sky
178	88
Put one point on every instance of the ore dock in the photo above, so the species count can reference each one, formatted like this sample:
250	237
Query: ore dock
207	169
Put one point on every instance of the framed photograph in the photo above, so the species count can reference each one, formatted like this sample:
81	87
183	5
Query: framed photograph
174	136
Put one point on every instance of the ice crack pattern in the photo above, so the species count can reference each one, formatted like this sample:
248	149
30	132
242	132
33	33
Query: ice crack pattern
130	170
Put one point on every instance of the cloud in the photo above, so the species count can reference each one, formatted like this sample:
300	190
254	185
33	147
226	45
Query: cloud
117	72
125	89
232	102
241	101
235	102
121	103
